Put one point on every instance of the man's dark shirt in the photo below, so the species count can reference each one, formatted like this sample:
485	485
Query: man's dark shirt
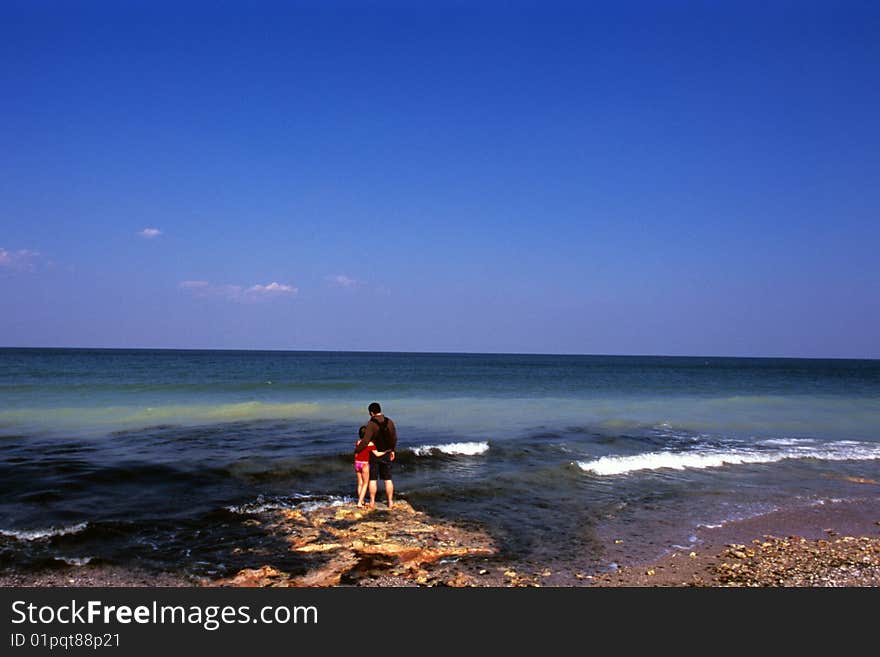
385	441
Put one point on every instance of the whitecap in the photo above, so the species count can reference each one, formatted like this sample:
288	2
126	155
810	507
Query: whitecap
41	534
453	449
616	465
788	442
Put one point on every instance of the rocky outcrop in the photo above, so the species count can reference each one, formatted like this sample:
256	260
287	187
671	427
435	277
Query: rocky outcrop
349	545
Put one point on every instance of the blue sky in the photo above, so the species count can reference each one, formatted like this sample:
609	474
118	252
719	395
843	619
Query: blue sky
630	178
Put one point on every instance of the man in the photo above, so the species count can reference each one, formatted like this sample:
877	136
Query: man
383	433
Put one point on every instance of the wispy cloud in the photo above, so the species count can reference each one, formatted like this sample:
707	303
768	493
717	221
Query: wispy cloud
21	260
238	293
341	280
149	233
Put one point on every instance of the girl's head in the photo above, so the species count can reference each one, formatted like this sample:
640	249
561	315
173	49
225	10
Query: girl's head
361	432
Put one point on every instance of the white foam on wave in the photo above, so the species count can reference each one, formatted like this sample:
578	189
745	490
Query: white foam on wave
616	465
42	534
330	501
830	500
613	465
455	449
742	513
256	507
74	561
788	442
296	501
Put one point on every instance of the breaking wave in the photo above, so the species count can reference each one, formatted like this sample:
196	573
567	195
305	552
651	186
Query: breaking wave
454	449
42	534
616	465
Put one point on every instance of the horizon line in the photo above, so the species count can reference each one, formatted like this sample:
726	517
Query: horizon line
448	353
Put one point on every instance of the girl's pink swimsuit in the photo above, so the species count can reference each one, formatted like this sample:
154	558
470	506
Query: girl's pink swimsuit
363	457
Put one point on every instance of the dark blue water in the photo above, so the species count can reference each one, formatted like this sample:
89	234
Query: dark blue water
157	458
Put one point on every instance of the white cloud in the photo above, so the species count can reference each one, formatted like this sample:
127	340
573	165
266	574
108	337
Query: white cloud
342	280
271	288
150	233
21	260
238	293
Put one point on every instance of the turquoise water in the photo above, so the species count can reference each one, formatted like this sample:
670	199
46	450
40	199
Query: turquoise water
129	455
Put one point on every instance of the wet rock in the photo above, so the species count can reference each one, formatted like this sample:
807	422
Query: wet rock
352	544
252	577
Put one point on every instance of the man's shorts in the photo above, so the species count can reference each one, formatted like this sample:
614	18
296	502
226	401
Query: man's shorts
380	468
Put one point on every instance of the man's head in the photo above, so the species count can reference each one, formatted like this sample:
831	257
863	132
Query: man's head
375	409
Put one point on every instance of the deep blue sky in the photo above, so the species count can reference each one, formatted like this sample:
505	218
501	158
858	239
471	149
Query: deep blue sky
633	178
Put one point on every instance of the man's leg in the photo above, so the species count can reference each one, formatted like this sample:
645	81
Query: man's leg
389	492
374	475
374	485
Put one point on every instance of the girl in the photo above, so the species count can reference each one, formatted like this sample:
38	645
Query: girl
362	465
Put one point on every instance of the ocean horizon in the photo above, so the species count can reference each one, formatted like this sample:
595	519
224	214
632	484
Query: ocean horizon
439	352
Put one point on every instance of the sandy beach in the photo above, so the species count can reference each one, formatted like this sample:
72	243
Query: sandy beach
823	545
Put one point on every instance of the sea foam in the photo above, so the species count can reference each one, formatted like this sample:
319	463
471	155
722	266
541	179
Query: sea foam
41	534
299	501
454	449
74	561
615	465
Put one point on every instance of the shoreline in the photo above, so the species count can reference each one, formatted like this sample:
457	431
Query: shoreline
832	544
792	545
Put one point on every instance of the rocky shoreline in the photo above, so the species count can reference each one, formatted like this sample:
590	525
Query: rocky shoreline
836	544
793	561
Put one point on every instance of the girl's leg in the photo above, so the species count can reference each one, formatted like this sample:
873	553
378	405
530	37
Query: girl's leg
360	486
365	479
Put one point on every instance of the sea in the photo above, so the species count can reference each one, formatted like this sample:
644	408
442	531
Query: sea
160	459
